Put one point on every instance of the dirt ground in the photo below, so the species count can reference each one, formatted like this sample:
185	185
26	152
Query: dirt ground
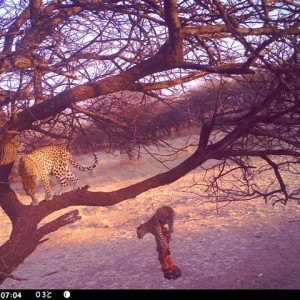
242	245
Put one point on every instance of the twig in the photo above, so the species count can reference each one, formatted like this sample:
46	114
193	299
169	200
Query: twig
43	241
48	274
291	221
12	276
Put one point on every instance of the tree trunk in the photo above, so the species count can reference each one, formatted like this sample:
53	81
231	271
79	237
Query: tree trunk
25	235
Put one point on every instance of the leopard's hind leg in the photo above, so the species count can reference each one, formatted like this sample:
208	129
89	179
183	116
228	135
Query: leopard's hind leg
48	191
62	178
72	177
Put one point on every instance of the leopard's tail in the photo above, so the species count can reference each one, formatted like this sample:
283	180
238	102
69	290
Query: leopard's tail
80	167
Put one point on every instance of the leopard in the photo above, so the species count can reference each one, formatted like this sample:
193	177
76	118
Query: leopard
43	162
155	225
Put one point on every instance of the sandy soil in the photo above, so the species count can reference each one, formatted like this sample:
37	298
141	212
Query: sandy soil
243	245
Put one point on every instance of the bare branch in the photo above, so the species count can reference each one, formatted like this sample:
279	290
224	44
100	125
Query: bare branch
61	221
12	276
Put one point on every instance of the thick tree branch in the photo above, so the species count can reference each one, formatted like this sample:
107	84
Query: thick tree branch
256	153
105	86
175	33
233	68
145	87
222	28
59	222
84	197
98	115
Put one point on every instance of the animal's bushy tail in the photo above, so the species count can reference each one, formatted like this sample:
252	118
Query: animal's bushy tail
80	167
